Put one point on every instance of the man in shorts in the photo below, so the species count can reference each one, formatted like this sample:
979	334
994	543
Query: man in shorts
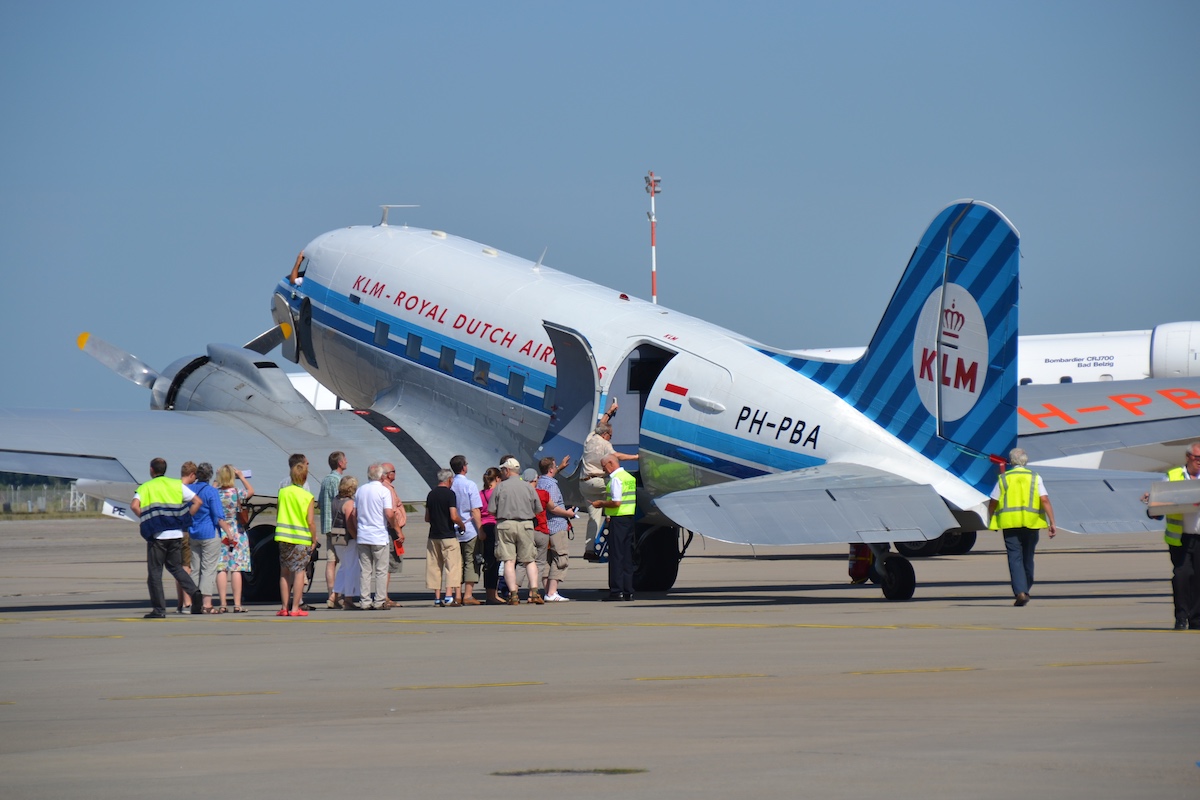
442	553
515	504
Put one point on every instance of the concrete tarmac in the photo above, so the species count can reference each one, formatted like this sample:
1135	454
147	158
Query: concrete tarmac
762	674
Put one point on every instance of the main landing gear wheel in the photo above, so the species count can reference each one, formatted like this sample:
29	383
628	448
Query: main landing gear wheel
898	580
958	543
656	559
924	549
261	585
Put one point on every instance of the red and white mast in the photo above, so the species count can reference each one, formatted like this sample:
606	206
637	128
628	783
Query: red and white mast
653	188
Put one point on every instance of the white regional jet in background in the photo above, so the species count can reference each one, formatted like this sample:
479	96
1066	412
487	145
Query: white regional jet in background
455	347
1171	350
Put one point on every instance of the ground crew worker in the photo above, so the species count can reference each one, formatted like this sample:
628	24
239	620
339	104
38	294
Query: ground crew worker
619	508
1020	508
295	534
1183	545
164	507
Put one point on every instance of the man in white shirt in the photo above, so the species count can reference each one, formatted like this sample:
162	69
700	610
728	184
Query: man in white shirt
593	481
373	513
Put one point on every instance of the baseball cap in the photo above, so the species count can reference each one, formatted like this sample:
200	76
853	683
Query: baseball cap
511	465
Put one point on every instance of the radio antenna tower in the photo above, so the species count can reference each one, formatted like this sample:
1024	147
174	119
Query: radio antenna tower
653	188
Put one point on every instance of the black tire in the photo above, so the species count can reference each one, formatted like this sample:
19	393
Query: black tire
925	549
900	581
959	543
656	559
261	584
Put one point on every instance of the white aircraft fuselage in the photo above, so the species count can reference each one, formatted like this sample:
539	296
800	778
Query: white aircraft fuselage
438	332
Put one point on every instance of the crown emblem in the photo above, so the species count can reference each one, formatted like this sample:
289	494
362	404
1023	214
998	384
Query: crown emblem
952	320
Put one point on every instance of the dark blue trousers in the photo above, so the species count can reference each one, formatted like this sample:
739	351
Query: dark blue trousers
165	553
620	554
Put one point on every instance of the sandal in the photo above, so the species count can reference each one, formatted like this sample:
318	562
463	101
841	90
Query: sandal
209	610
222	610
239	610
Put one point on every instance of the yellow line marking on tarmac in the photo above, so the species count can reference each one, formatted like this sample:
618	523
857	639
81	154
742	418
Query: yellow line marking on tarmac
467	685
1102	663
380	633
702	677
8	702
913	671
187	696
97	636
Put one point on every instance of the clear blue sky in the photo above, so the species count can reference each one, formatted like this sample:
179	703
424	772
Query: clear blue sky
162	163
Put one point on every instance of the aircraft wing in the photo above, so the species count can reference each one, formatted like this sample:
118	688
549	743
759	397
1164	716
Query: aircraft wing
818	505
851	503
1099	501
1070	419
117	446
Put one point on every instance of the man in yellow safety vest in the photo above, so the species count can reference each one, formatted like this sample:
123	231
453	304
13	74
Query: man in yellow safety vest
1182	535
1020	508
619	509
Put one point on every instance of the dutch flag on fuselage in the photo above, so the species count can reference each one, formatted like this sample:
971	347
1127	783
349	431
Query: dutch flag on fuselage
674	389
940	373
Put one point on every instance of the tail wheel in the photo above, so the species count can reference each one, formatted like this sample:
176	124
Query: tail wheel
656	559
899	580
261	585
959	543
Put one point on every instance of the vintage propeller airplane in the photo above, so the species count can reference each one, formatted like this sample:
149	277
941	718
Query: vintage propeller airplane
449	346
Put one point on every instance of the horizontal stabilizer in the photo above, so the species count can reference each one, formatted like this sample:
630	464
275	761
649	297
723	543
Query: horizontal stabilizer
819	505
1099	501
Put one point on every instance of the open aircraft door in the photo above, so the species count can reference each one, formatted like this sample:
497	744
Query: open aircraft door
577	395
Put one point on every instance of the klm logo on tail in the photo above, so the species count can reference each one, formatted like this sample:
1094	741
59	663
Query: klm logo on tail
951	325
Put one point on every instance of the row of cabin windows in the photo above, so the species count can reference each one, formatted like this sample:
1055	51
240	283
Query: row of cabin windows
412	349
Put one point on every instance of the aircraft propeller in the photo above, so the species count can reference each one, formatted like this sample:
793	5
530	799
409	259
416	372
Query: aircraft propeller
125	364
132	368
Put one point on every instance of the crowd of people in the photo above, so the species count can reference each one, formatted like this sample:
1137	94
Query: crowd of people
512	532
198	533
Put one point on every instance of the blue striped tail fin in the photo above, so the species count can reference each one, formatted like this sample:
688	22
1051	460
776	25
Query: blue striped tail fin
941	370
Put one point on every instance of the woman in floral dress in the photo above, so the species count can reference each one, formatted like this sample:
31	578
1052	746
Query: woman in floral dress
235	556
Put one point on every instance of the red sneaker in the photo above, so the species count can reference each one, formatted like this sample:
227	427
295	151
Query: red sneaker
283	612
299	612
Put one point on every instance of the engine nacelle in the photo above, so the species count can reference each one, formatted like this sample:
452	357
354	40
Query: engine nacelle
1175	350
234	379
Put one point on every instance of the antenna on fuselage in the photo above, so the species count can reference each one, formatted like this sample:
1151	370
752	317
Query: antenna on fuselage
538	266
383	223
652	189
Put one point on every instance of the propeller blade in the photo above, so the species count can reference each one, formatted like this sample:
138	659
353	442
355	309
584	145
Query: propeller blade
267	341
126	365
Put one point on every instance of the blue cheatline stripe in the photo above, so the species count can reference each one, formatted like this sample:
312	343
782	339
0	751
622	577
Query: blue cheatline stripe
671	404
331	309
712	463
719	445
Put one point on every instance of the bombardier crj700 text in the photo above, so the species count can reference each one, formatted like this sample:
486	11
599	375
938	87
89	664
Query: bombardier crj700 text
449	346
